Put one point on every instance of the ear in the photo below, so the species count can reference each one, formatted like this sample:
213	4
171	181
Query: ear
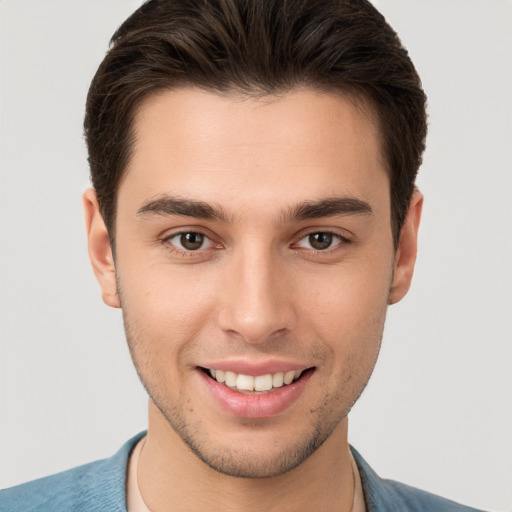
100	251
405	256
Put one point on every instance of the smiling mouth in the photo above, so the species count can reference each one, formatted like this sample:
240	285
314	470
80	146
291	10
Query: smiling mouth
255	384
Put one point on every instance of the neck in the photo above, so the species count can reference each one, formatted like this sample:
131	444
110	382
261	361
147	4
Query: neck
172	477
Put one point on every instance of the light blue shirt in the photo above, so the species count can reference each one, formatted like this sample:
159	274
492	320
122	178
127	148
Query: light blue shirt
101	487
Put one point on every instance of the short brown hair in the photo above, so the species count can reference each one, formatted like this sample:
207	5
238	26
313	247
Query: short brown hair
256	47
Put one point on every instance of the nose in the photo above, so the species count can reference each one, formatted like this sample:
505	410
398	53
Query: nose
257	299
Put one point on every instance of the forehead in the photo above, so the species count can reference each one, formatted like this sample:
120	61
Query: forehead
233	149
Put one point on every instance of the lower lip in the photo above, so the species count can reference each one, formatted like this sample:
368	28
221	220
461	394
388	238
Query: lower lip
264	405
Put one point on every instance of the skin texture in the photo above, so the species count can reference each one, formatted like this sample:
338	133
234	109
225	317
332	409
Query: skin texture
255	291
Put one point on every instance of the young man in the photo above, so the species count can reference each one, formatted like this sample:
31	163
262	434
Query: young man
253	214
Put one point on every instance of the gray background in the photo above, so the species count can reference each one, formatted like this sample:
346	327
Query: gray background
438	412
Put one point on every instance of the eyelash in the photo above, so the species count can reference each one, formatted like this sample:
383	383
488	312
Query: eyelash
184	252
342	240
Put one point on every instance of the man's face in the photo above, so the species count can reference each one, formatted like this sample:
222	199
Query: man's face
253	238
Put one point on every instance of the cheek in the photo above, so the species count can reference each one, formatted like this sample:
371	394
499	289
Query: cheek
165	296
164	312
349	294
348	311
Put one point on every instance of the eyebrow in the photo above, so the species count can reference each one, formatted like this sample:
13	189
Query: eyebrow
185	207
329	207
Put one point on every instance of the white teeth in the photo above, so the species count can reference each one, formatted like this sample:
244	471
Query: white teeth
230	379
278	379
260	383
263	382
245	382
288	377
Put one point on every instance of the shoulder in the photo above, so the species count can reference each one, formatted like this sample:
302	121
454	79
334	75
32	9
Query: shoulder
75	489
97	486
417	500
388	495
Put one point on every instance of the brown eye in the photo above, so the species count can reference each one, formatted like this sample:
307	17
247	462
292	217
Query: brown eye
191	241
320	241
188	241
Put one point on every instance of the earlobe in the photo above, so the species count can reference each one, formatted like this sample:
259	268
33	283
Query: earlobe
405	257
100	250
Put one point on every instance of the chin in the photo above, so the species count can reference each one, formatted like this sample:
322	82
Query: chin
254	463
253	449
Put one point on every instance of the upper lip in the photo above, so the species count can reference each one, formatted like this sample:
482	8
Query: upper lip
254	368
